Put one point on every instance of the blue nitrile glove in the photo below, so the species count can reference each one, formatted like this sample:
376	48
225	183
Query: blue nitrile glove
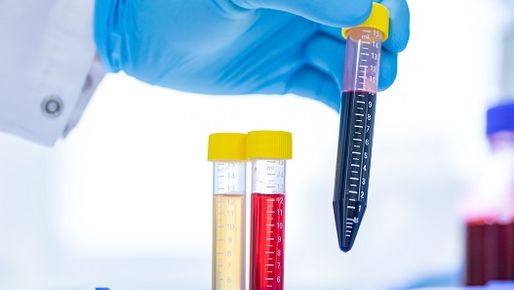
240	46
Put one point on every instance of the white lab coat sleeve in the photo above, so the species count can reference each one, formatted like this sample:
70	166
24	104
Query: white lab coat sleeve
48	69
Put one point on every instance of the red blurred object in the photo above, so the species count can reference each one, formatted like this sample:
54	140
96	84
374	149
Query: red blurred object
489	252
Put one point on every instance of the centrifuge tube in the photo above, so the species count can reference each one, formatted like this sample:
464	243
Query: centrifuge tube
227	151
489	205
268	151
363	46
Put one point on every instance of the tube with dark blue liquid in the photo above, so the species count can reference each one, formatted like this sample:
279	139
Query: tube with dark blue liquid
358	102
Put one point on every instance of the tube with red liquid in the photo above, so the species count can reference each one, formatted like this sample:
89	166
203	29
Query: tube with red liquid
362	60
268	151
489	208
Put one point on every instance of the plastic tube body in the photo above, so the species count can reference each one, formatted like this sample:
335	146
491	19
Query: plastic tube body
228	253
267	225
362	60
362	65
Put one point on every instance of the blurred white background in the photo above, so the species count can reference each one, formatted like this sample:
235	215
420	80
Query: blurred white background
125	200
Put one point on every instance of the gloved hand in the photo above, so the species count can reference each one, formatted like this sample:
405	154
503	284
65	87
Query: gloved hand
240	46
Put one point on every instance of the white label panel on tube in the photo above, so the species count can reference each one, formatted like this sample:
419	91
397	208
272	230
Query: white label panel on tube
268	176
229	177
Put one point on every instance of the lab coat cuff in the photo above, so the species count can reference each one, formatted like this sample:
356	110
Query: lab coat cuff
67	54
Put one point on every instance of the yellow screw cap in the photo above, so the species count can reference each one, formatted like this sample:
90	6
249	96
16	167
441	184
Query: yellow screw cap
378	19
227	147
269	145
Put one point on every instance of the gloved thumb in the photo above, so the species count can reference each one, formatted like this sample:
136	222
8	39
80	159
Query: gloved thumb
336	13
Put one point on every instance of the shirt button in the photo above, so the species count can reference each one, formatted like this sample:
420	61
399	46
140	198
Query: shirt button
52	106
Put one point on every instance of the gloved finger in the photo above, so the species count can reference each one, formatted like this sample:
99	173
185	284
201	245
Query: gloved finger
388	69
399	31
312	83
335	13
327	54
